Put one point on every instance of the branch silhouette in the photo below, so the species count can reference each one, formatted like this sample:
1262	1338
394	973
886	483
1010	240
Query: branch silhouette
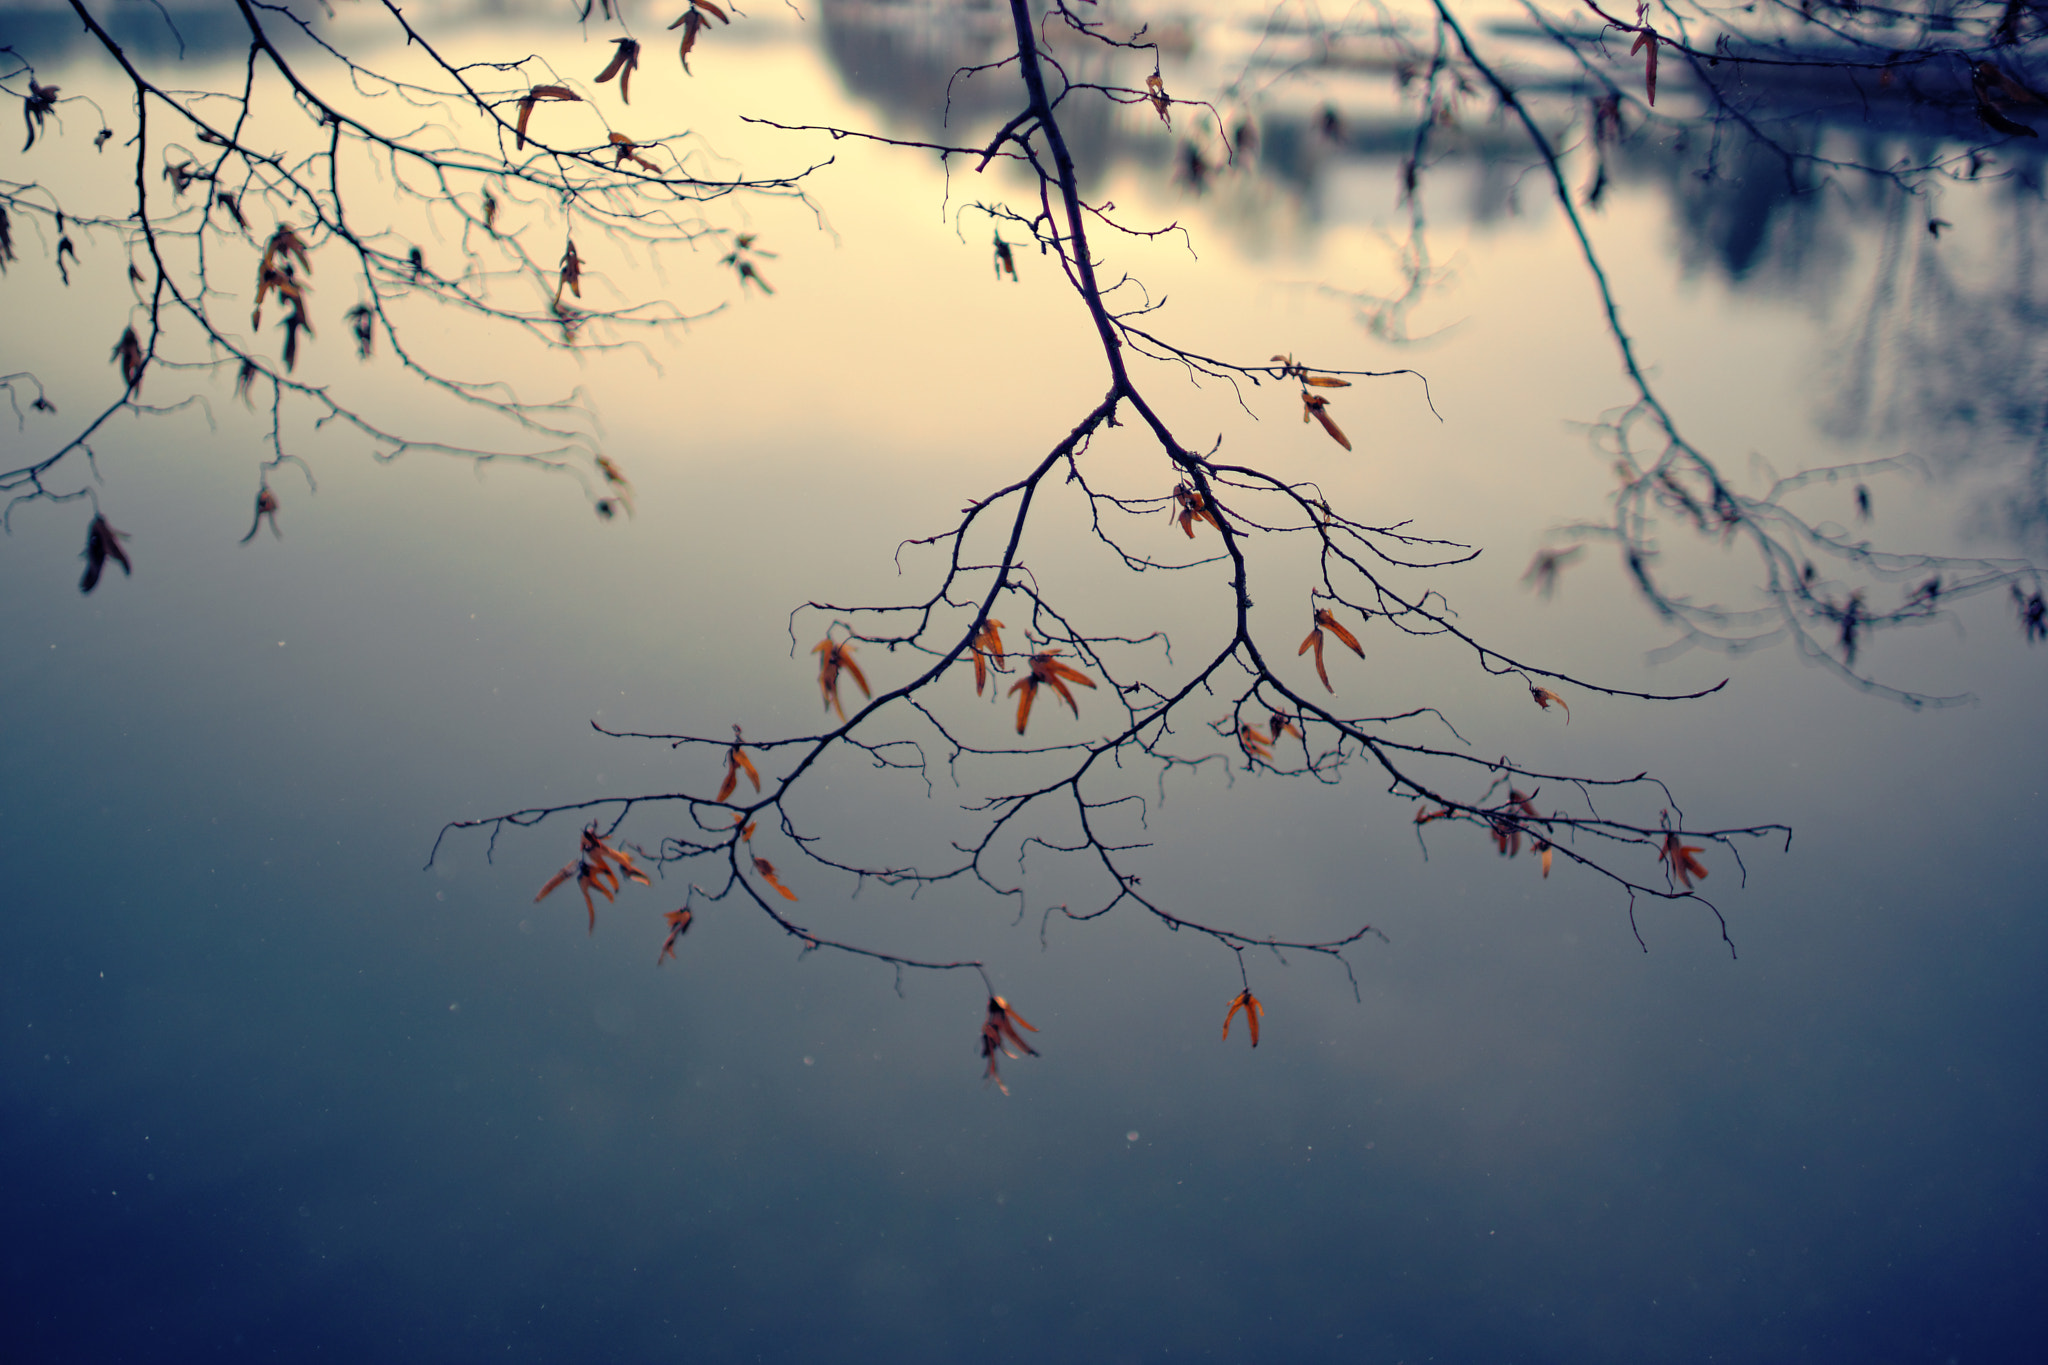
516	204
1828	589
988	612
259	186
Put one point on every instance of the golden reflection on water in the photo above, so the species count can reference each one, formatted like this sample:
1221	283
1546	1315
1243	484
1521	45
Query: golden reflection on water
892	375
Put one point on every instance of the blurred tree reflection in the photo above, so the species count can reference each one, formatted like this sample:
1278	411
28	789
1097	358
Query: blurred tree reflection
1782	133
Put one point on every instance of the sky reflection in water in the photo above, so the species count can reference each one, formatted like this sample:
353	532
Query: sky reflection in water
271	1091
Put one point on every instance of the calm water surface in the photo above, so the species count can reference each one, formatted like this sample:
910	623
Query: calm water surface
270	1091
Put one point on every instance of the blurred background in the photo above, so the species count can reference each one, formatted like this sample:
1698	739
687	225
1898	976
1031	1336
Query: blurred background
270	1090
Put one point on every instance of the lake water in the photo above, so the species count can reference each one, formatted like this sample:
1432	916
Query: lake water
270	1090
